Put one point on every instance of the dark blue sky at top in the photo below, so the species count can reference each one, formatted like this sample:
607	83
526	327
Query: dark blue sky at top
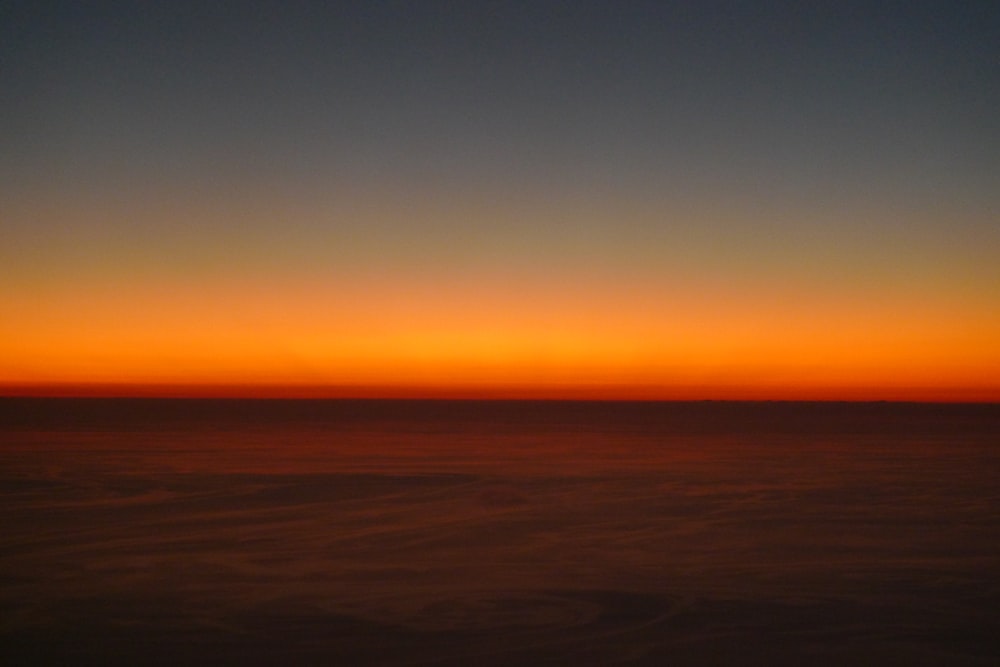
789	95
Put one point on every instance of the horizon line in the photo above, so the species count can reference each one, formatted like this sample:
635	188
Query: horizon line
538	393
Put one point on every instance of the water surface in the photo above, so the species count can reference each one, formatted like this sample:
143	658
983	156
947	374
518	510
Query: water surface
498	533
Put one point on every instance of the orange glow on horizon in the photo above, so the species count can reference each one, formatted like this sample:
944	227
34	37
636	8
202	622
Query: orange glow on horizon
495	336
539	352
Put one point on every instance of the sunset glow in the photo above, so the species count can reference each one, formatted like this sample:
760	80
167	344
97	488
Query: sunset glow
455	345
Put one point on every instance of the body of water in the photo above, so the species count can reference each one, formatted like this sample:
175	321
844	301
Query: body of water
498	533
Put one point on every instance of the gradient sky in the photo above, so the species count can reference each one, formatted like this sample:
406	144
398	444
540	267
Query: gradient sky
602	199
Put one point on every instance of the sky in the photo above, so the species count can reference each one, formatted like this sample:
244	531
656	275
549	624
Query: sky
700	200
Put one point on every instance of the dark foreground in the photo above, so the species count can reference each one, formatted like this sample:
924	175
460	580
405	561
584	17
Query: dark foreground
451	533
